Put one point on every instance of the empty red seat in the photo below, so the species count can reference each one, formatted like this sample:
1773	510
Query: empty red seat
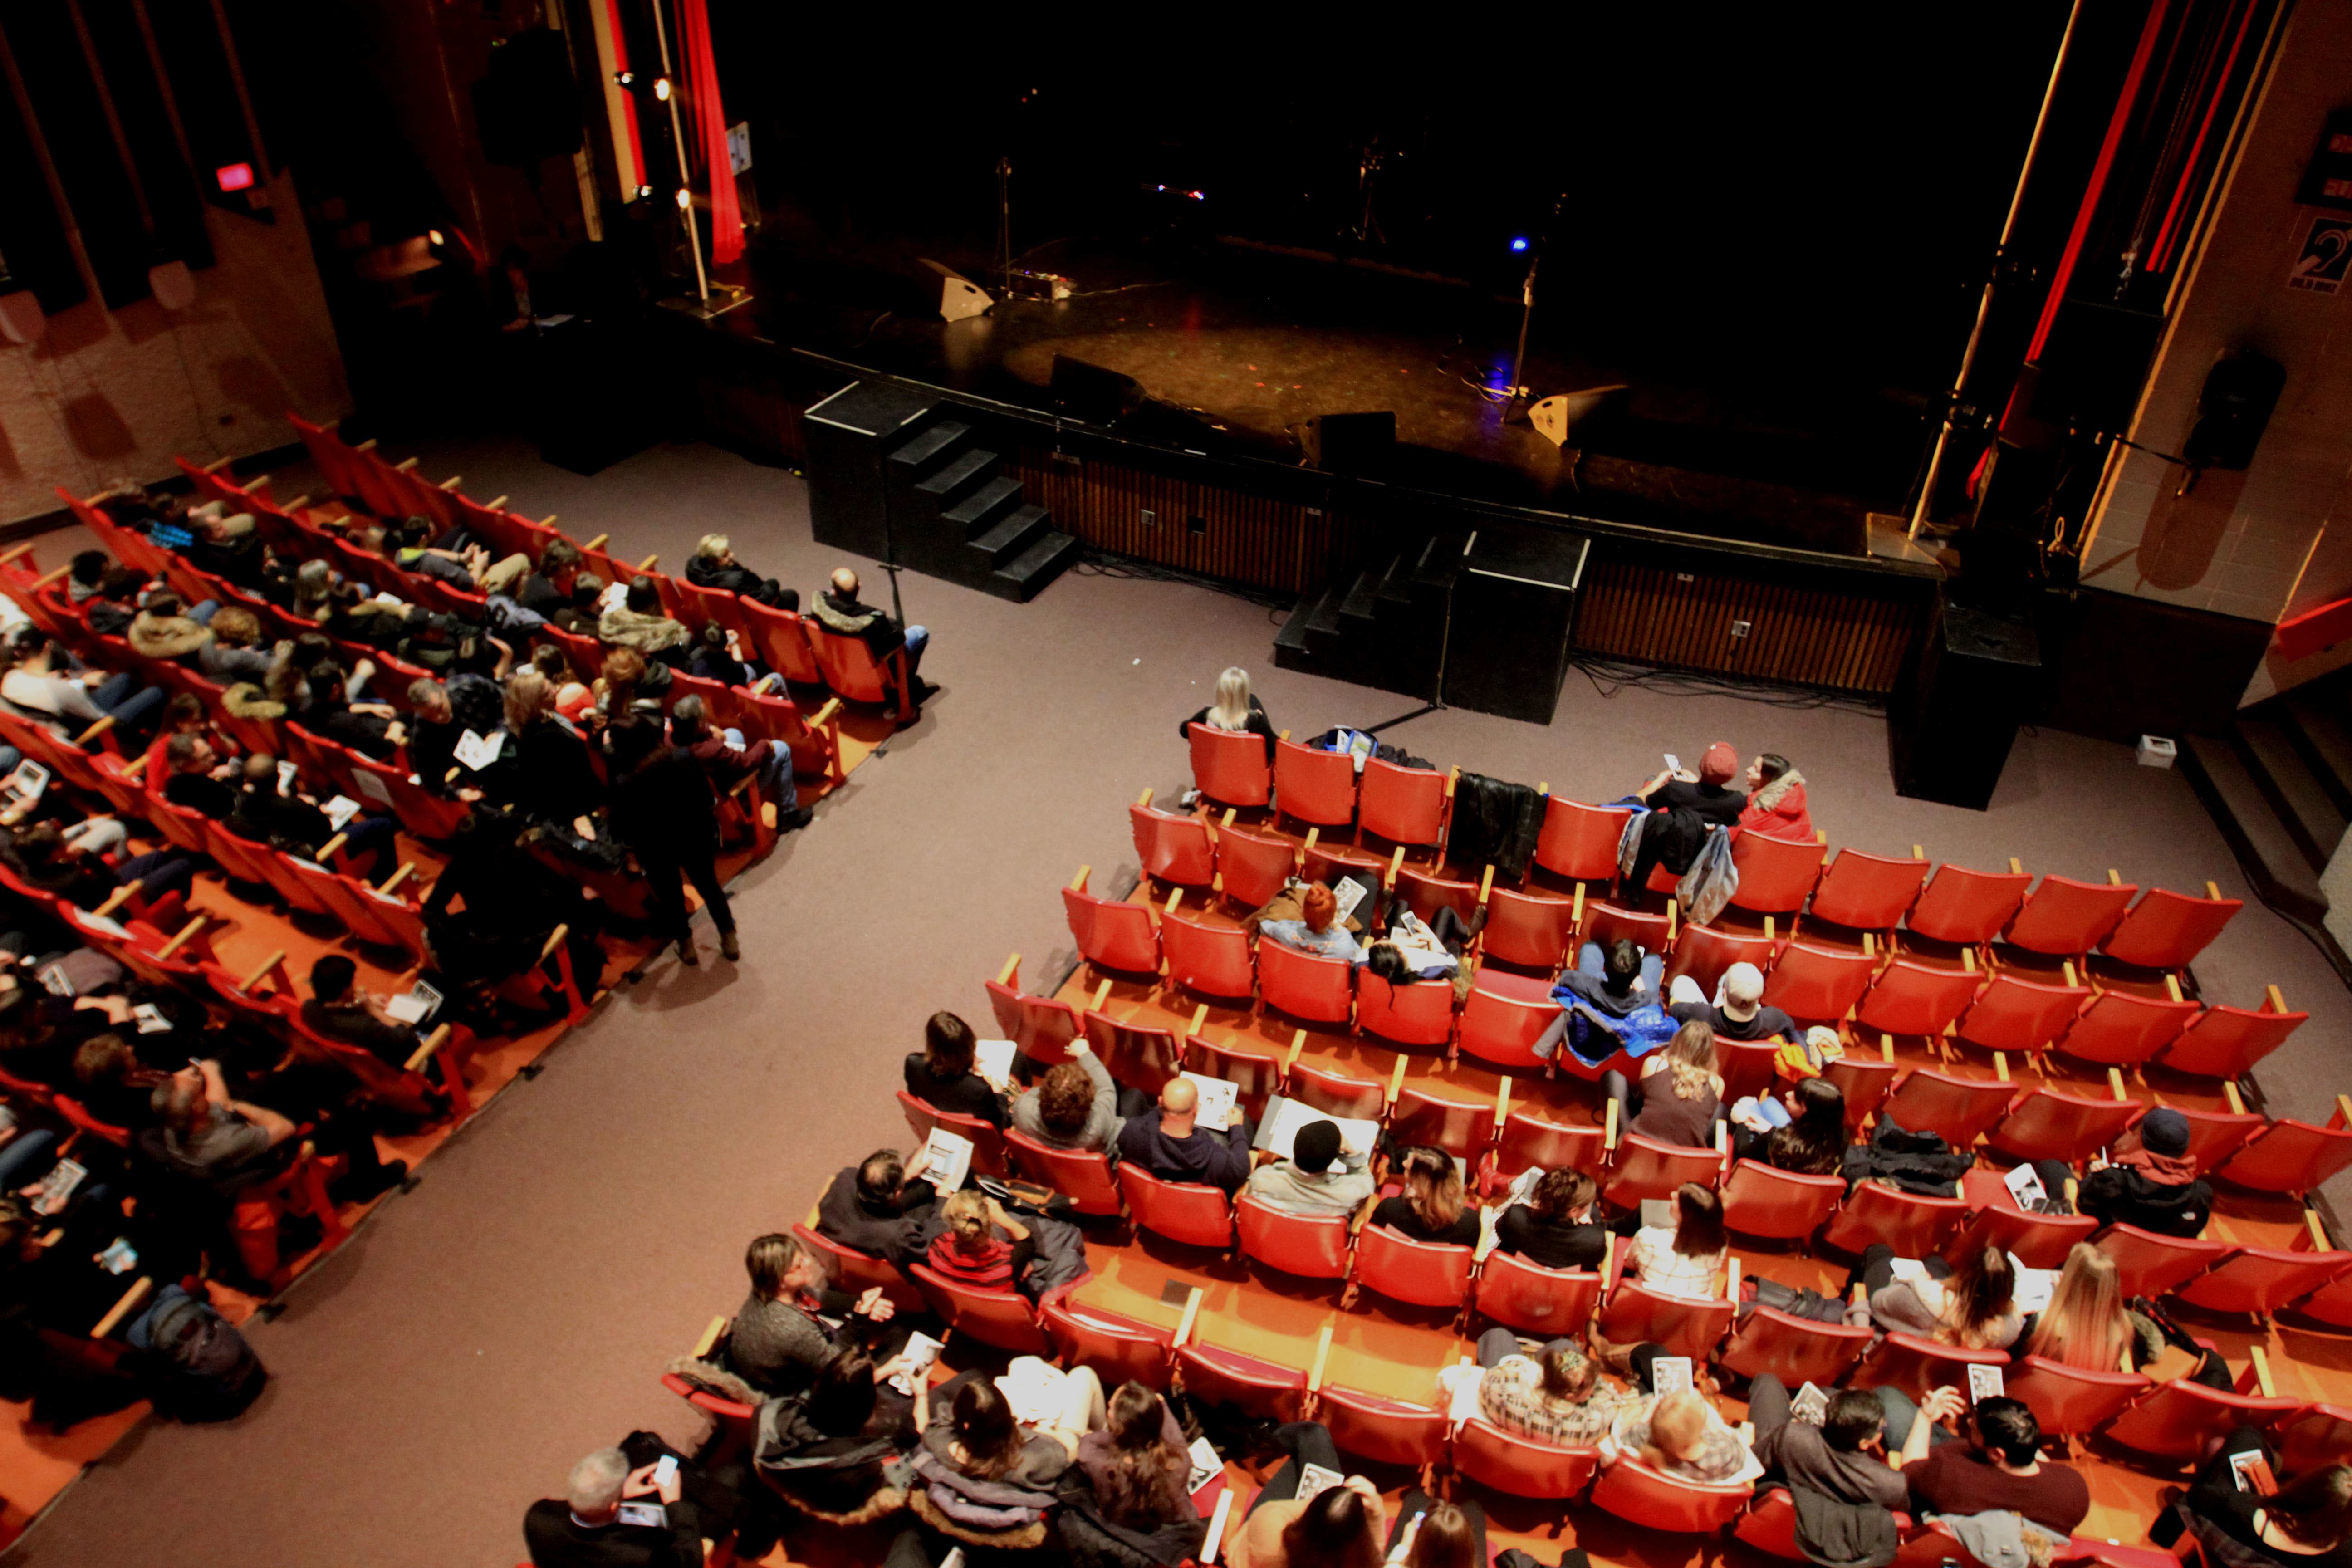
1528	929
1253	1385
1428	1120
1229	767
1425	895
1000	1318
2259	1281
1516	1466
1382	1431
1776	875
1684	1325
1966	907
1960	1108
1605	923
1420	1013
1913	1226
1112	932
1313	786
1909	998
1646	1168
2014	1015
1143	1057
1327	863
1305	985
1817	985
2068	1127
1252	869
1313	1247
1082	1176
1531	1140
2122	1028
1703	953
2179	1420
1212	957
1916	1364
1760	1200
1548	1303
2168	929
1188	1212
1337	1093
2063	916
1117	1347
1580	841
2294	1157
2226	1042
2038	1241
2071	1400
1404	806
1173	846
1501	1021
1796	1350
1418	1273
2153	1266
1867	892
1631	1489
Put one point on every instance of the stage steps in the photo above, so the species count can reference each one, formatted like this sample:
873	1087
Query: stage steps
2279	783
1382	626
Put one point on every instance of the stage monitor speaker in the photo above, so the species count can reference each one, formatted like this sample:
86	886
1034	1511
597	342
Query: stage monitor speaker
1091	392
1350	443
1954	714
960	298
528	107
1560	415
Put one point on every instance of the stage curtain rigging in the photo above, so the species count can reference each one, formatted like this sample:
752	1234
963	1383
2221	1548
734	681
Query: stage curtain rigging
709	134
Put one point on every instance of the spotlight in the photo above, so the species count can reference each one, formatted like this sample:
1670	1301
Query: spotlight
1519	243
625	78
685	198
661	88
435	238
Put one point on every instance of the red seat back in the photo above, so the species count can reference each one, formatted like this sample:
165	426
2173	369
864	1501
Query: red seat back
2313	1439
1968	907
1817	984
1039	1027
1140	1056
1960	1108
1760	1200
2013	1014
1516	1466
1085	1178
1703	953
1914	1225
1337	1093
2153	1266
987	1142
1314	1246
2070	1128
1404	806
1419	1273
1258	1075
1631	1489
2226	1042
2259	1281
1605	923
1528	929
1646	1168
999	1318
2065	916
1531	1140
1307	986
700	604
1230	766
1867	892
1500	1028
1776	875
1549	1303
1684	1325
2122	1028
2038	1241
856	1272
1187	1212
1381	1430
1425	895
1914	1364
782	640
2071	1400
1112	933
1264	1389
2168	929
1796	1350
1420	1013
1117	1347
1910	998
1438	1122
1254	867
1315	787
2291	1157
2215	1135
1580	841
1213	959
1329	862
1173	846
851	671
2180	1419
1864	1080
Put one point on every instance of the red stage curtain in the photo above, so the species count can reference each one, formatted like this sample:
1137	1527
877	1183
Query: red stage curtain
709	131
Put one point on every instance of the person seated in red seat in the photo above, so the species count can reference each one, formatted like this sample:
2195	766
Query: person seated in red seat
638	622
163	629
714	566
1681	1089
1432	1208
1689	1259
582	1529
1999	1467
372	729
1072	1106
338	1010
839	610
1323	1176
1553	1395
110	610
1235	711
289	818
1682	1435
727	757
226	1140
835	1452
1318	930
2307	1520
49	689
1136	1471
981	1246
113	1085
232	650
1165	1141
777	1342
1810	1142
868	1203
1843	1463
196	778
69	863
1971	1303
1776	801
2151	1181
940	1075
1742	1014
1555	1228
1682	806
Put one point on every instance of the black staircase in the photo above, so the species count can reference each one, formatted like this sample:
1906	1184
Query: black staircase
2279	785
881	452
1383	626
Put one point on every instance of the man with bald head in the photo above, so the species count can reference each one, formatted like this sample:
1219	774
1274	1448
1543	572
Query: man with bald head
837	609
1164	1142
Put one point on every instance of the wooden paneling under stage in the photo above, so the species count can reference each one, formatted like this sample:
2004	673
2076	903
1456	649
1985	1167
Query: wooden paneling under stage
1688	617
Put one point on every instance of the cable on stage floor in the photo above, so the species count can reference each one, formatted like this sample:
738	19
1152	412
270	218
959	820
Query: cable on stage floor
1610	677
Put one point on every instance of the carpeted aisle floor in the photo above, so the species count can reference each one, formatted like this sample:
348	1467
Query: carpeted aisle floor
446	1367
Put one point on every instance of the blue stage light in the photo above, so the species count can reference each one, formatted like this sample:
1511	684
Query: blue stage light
1519	243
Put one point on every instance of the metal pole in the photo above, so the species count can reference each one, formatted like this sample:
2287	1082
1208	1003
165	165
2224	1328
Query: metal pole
1984	302
678	139
1527	314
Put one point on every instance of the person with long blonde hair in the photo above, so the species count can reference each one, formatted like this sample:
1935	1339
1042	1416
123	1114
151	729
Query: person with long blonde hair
1681	1091
2086	1324
1235	711
1432	1207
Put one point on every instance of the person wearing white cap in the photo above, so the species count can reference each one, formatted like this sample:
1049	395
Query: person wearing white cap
1741	1015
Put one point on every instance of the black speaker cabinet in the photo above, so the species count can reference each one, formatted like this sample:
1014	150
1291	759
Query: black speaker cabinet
1350	443
1954	714
1507	636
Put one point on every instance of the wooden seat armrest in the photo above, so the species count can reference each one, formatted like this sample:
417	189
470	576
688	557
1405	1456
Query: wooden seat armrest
136	767
555	938
1290	1058
1364	1215
739	785
598	542
496	503
1322	1354
453	481
405	465
647	563
115	899
430	1048
2256	1378
1190	1319
24	549
180	938
56	576
1609	1126
711	1337
1078	882
827	717
83	739
264	967
327	850
128	1303
1011	971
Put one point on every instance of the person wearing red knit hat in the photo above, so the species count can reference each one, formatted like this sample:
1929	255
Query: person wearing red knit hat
1682	806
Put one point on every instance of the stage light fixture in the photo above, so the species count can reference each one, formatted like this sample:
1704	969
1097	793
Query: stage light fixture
685	198
435	238
661	88
1519	243
625	78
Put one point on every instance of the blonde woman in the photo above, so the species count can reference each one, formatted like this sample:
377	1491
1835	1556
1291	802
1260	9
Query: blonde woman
1234	710
2086	1324
1680	1091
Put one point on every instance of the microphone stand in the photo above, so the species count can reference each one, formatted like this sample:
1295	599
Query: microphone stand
1528	305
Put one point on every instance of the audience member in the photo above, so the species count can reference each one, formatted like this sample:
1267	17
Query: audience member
982	1475
113	1085
639	623
231	650
160	629
868	1203
940	1074
115	605
726	757
1680	1091
1689	1259
1432	1208
41	688
1999	1467
1431	1532
979	1245
1845	1483
1322	1176
1682	806
513	903
2307	1520
1554	1228
1235	711
582	1529
2151	1181
1553	1395
211	1137
83	576
1741	1017
1318	930
1776	801
714	565
1806	1139
1680	1435
1071	1106
1135	1506
2086	1324
837	610
69	864
776	1342
1340	1527
1165	1141
338	1010
832	1452
1971	1303
195	777
663	810
1616	981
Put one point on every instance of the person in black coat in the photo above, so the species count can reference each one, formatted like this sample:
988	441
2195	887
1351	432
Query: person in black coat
582	1529
1235	711
714	566
1554	1228
663	809
867	1205
1683	808
553	779
940	1075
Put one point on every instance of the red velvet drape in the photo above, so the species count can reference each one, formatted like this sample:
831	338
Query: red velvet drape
707	128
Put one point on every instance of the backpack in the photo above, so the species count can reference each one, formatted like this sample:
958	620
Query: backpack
201	1368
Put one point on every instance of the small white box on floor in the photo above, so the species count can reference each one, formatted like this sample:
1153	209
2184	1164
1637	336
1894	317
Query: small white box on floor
2156	751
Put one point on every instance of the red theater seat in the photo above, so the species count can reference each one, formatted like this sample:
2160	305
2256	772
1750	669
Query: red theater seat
1549	1303
1796	1350
1229	767
2226	1042
1188	1212
1527	929
1420	1013
1967	907
1580	841
1313	787
2065	918
1516	1466
1758	1200
2120	1028
2168	929
1404	806
1313	1247
1305	986
1252	869
1173	846
1418	1273
1817	985
1867	892
1776	875
1910	998
1112	933
1960	1108
1631	1489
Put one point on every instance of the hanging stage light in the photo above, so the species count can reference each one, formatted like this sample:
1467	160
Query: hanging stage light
685	198
661	88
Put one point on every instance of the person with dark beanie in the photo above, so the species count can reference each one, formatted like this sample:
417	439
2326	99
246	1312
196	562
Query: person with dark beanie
2151	1181
1322	1176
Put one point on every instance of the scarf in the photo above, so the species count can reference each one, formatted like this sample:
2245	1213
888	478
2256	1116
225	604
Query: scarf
2165	1170
1769	798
